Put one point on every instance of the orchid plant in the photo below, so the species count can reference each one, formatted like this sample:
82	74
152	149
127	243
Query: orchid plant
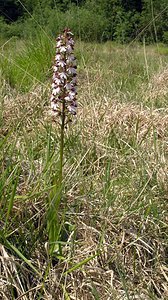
63	104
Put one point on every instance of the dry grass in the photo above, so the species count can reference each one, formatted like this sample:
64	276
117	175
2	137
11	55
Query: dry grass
159	84
115	203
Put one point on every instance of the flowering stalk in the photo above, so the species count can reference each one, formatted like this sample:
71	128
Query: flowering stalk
63	98
63	104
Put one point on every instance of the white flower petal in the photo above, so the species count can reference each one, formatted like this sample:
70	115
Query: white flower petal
69	32
62	49
56	91
72	94
72	109
59	44
55	69
68	86
69	49
61	63
54	106
57	81
53	85
70	58
71	71
62	75
67	98
52	98
58	57
74	80
71	41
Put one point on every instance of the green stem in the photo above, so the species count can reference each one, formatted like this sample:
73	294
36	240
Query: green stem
54	226
62	143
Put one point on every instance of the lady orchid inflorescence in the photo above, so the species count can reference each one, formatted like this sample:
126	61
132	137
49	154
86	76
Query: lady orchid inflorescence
63	99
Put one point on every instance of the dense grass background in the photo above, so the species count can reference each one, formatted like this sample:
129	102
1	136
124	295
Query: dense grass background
90	20
113	214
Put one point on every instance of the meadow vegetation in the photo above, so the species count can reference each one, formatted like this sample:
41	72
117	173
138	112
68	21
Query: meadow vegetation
90	20
113	214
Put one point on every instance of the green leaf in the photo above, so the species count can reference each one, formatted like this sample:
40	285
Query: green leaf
9	245
80	264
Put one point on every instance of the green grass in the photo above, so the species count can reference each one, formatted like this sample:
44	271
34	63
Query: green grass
113	214
26	63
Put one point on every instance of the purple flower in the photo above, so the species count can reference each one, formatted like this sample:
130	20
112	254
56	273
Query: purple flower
61	63
71	70
63	75
63	98
56	90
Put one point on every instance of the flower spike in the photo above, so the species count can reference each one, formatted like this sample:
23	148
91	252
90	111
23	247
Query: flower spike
64	92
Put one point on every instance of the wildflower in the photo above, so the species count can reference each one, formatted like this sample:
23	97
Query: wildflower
55	69
61	63
62	49
57	81
71	70
59	43
68	86
63	99
56	91
63	75
58	57
63	104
